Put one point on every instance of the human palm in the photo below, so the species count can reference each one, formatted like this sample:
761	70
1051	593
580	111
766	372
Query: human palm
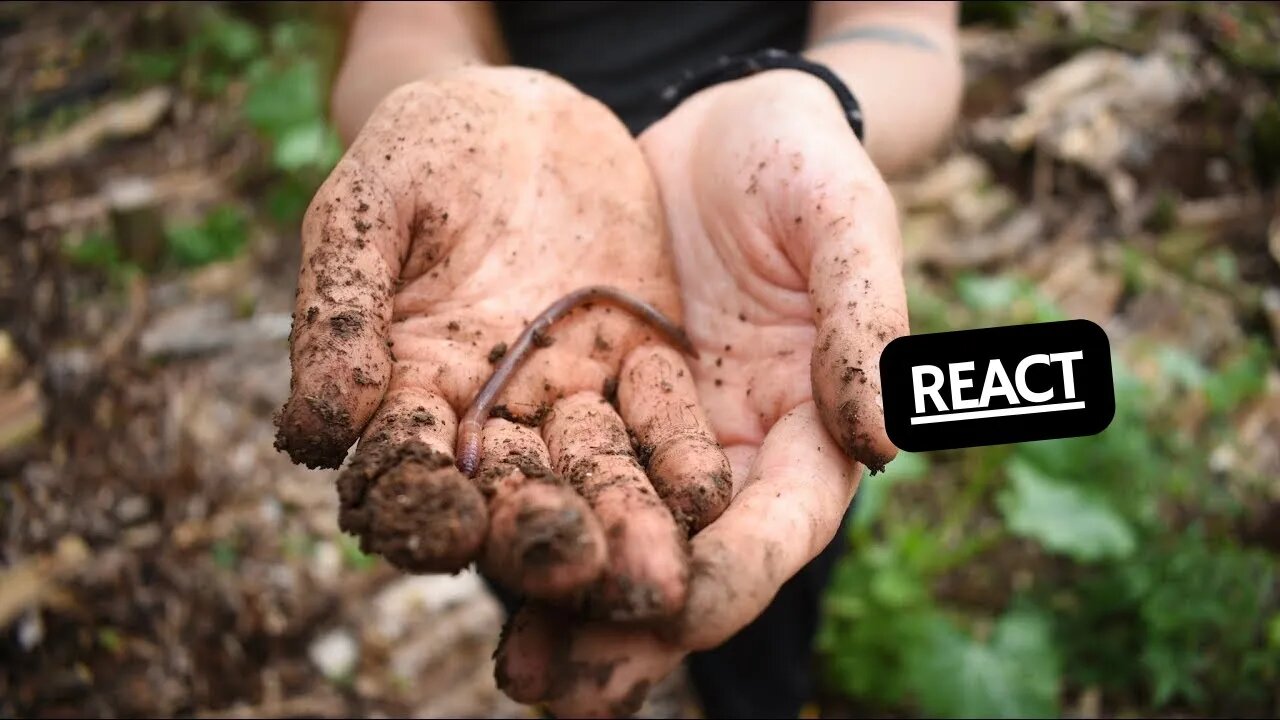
786	245
468	203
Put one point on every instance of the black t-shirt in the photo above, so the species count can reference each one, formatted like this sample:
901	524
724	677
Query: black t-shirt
625	53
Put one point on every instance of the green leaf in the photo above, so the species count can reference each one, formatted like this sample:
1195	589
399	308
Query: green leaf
281	99
897	588
109	639
878	606
222	234
1006	299
353	556
298	37
1181	366
1202	601
865	645
288	198
1016	674
149	68
95	249
989	293
1243	377
225	554
874	490
313	145
930	311
1063	517
229	38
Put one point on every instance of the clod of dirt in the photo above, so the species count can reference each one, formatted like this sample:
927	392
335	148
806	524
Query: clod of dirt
314	432
410	504
542	339
497	353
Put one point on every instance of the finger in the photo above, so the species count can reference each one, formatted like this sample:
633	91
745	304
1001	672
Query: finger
798	489
646	573
402	495
659	403
796	493
860	306
592	669
543	540
338	345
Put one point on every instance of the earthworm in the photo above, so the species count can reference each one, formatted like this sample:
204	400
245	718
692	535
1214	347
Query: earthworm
468	449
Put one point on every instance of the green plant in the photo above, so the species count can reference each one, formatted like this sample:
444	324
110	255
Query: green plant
220	235
283	65
286	105
97	250
226	553
352	556
218	46
1125	597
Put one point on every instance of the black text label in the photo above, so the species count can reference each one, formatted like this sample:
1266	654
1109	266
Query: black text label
997	385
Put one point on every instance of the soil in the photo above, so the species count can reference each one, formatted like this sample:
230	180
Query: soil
409	504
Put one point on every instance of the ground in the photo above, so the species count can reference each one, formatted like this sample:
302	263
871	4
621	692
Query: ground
159	557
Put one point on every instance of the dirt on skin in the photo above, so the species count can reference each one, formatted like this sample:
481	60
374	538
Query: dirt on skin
410	504
673	440
544	541
696	496
646	576
545	634
340	354
317	431
541	667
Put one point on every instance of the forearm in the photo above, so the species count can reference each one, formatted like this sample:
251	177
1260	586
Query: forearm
902	62
393	43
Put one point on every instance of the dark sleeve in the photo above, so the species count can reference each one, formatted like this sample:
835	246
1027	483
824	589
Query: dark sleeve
625	53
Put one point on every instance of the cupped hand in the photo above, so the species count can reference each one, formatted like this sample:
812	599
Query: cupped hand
787	248
468	203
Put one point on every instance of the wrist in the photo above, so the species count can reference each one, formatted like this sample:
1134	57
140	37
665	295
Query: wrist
795	88
782	77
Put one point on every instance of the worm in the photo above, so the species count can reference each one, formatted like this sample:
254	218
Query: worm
468	450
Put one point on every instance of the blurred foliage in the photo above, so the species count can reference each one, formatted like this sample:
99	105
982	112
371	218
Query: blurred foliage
1094	575
353	556
1244	33
282	59
274	63
93	250
286	103
219	236
1151	612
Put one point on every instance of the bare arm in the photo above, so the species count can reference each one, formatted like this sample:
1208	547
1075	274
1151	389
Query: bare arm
901	60
393	43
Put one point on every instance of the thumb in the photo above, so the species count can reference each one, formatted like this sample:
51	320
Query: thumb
340	357
860	306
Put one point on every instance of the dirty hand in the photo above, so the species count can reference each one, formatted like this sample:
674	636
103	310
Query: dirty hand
788	252
468	203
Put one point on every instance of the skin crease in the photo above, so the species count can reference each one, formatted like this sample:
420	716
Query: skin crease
778	213
469	430
426	250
